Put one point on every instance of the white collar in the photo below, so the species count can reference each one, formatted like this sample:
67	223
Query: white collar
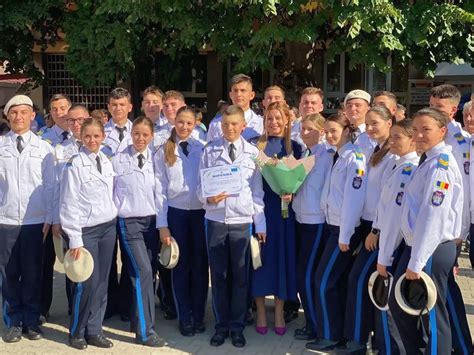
237	144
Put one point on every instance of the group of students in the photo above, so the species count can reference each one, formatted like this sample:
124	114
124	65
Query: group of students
385	195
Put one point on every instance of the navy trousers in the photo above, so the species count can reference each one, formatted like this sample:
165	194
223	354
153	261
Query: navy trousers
359	315
228	247
190	277
309	253
133	235
21	253
331	283
387	337
49	258
414	334
90	297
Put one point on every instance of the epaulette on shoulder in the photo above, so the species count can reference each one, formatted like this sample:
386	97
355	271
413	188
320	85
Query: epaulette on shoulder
443	161
48	141
407	170
330	150
107	151
69	162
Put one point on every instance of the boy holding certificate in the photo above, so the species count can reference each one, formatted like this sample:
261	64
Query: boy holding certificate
228	221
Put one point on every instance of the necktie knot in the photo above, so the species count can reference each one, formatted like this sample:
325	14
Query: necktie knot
184	146
99	166
232	151
141	160
65	135
121	131
19	143
422	158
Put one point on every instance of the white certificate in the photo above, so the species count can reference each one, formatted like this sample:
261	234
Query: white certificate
225	178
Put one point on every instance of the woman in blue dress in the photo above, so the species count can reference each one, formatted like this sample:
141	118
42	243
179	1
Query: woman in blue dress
277	276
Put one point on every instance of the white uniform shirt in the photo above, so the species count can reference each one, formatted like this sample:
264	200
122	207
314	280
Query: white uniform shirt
460	141
364	142
307	200
396	178
254	126
134	188
343	194
54	135
112	136
374	186
26	180
62	154
248	205
86	195
176	185
432	209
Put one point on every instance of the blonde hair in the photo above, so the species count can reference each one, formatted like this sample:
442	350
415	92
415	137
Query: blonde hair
311	90
285	112
315	118
275	87
170	145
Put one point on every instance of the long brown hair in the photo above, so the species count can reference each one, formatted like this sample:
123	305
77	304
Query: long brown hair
383	113
170	145
285	112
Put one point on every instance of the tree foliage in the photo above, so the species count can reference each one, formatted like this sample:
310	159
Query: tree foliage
107	38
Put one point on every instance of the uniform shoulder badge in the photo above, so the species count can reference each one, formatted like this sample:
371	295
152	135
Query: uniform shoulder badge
358	154
407	170
399	198
357	182
437	198
443	161
459	138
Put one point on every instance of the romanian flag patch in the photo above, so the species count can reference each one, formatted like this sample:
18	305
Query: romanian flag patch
360	172
443	185
466	155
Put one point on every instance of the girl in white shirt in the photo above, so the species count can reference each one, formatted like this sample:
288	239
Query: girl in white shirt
134	198
180	214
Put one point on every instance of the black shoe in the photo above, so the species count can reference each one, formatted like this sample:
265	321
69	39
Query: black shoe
351	347
125	318
323	345
43	319
304	334
153	341
33	333
219	338
249	317
100	341
290	315
169	315
186	329
238	339
199	327
12	335
78	343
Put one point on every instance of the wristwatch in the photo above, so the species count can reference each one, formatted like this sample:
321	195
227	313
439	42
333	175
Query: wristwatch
375	231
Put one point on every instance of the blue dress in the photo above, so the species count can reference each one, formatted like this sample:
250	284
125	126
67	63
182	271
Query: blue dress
277	276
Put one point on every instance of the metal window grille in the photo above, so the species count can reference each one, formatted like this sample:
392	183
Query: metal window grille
59	81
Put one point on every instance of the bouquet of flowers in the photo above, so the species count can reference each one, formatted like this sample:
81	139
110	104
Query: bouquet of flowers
284	176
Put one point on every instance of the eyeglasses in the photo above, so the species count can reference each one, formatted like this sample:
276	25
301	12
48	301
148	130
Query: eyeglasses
73	121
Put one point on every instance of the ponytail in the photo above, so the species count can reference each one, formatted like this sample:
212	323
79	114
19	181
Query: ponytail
170	146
